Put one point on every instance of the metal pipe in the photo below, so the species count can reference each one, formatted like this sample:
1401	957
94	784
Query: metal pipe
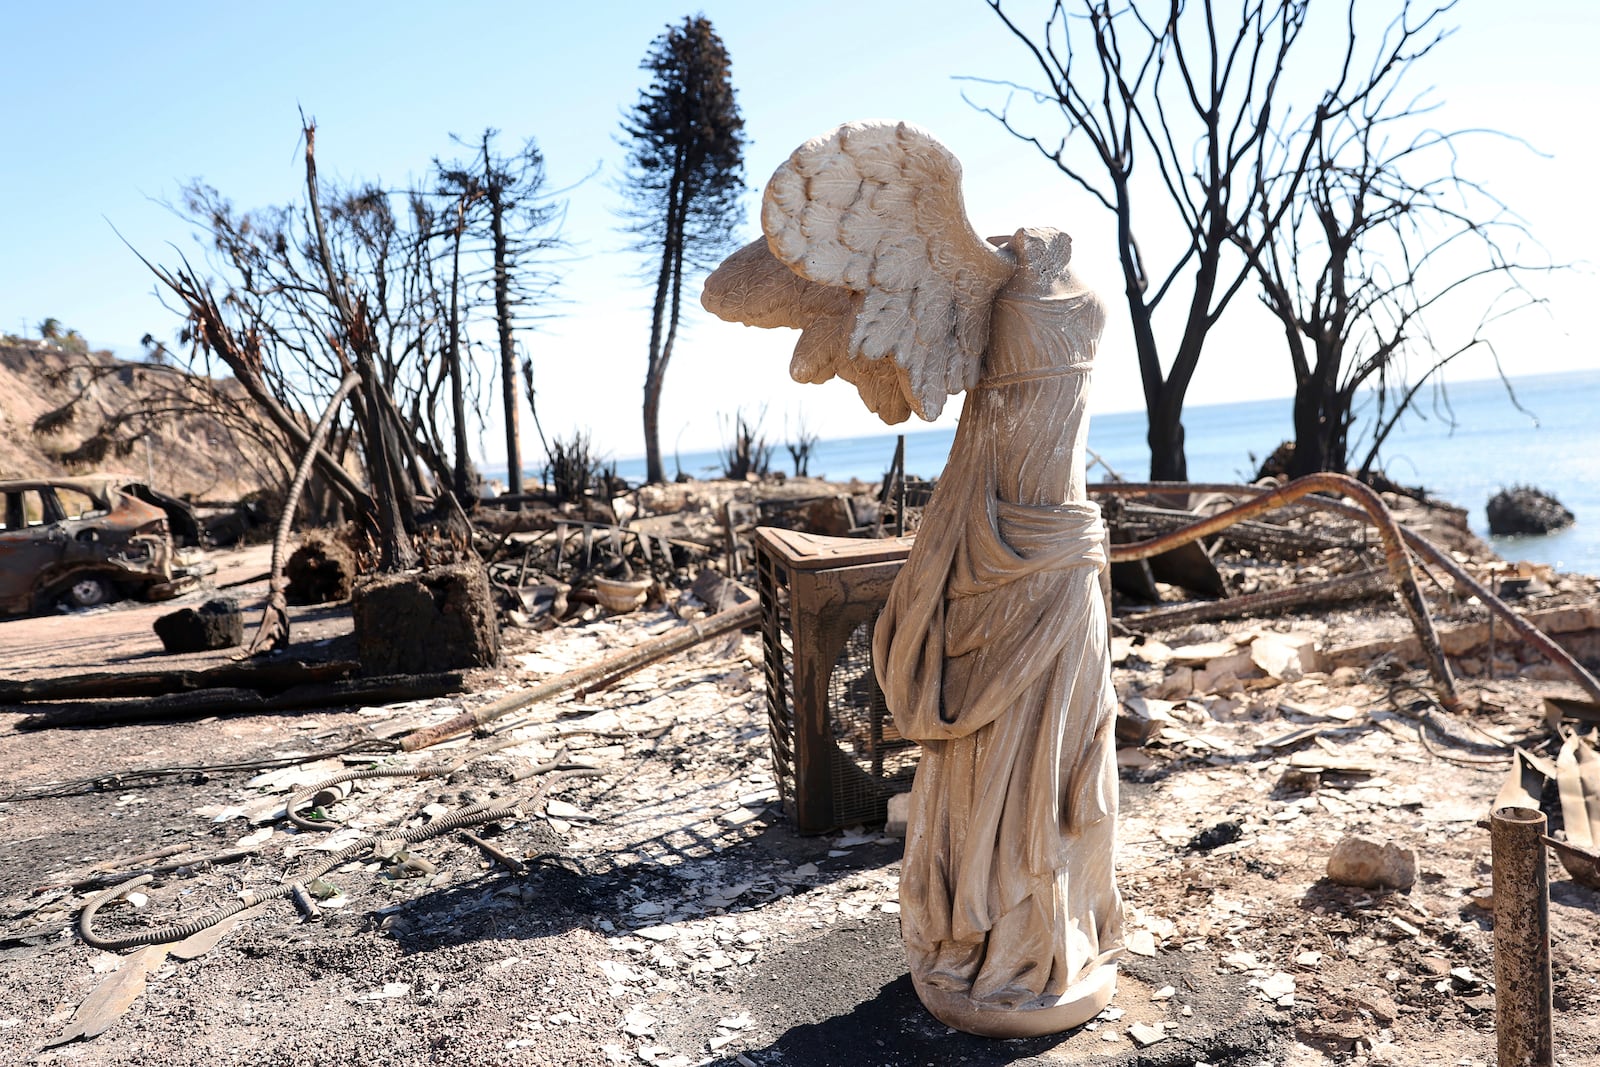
1427	550
309	912
1377	513
509	862
1522	984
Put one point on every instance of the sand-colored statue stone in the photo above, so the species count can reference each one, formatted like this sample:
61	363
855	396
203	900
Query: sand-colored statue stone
992	648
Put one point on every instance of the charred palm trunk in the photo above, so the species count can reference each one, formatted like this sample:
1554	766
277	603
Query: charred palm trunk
508	355
458	402
663	326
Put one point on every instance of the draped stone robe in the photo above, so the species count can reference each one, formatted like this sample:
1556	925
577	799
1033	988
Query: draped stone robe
991	653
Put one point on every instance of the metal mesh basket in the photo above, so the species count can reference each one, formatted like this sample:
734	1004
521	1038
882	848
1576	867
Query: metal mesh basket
836	752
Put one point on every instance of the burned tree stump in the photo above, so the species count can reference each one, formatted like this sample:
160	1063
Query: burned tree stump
215	624
322	569
1523	509
438	619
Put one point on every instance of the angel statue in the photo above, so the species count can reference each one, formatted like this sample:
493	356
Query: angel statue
991	651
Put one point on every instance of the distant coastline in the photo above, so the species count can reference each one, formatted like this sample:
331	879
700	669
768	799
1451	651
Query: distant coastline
1555	446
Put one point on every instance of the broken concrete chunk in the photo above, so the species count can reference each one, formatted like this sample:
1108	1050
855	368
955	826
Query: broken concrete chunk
1144	1035
1355	861
1286	657
1141	718
1177	684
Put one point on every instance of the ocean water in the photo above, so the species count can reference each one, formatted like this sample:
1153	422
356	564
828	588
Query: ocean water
1553	445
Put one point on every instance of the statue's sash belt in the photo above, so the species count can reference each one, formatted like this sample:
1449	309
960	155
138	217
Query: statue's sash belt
959	599
1027	540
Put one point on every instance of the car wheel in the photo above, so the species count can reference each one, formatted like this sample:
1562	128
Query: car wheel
89	591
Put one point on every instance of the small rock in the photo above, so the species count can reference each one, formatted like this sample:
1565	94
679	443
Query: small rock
899	811
1141	943
1355	861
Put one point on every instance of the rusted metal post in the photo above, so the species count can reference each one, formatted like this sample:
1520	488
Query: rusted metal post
1522	995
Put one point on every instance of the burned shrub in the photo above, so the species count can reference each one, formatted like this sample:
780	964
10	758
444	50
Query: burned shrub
573	467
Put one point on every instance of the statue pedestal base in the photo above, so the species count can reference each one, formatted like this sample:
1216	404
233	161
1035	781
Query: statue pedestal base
1082	1001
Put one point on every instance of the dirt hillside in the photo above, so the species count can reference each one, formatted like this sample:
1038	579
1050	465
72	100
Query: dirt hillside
187	455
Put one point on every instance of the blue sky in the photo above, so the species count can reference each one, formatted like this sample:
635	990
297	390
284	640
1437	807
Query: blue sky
111	107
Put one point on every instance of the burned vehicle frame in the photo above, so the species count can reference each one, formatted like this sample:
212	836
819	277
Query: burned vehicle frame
103	543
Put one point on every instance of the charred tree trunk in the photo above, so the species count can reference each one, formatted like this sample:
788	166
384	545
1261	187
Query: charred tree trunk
662	333
458	402
398	553
508	356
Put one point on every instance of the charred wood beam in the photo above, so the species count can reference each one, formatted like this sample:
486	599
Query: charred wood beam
268	677
1345	587
244	701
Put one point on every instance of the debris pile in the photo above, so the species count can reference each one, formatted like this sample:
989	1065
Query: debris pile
1304	870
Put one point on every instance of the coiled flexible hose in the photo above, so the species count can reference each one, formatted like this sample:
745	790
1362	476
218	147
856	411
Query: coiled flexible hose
339	779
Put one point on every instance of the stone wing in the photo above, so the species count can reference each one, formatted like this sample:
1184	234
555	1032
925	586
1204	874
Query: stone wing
883	270
754	288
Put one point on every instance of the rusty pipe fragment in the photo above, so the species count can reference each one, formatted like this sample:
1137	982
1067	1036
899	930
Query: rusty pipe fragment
1376	512
1522	985
1429	552
309	912
495	855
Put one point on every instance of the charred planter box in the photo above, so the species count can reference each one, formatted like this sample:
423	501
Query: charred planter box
438	619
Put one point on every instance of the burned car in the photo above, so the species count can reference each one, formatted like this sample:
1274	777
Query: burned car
78	542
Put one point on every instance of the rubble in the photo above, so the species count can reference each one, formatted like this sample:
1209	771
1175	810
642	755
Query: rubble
436	620
322	568
661	886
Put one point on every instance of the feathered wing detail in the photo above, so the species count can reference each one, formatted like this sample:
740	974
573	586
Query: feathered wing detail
871	213
754	288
